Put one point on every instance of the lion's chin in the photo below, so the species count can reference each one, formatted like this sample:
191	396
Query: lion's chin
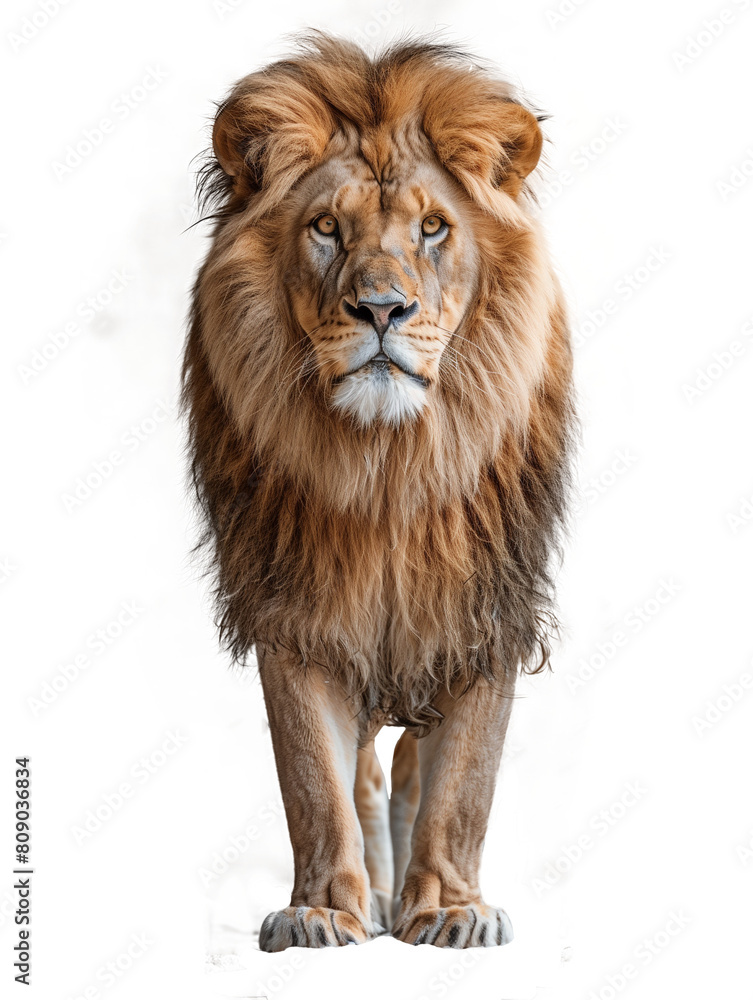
372	395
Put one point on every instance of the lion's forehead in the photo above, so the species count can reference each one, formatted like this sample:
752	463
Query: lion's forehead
400	194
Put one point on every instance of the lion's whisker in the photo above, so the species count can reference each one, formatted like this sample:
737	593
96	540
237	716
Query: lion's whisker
481	349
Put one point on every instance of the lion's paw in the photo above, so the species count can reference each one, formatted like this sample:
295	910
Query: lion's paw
312	927
474	926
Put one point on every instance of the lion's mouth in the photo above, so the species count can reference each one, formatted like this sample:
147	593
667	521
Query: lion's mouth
381	365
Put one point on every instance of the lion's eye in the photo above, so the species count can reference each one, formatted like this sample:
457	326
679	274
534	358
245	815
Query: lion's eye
326	225
432	225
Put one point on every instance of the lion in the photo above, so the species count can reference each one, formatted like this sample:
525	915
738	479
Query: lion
377	378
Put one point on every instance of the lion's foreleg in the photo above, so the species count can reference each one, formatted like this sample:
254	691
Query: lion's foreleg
372	806
315	734
403	807
458	764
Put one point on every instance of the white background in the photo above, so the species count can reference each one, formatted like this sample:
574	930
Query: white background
665	474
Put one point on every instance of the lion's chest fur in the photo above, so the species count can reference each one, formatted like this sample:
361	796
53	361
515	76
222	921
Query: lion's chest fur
382	580
393	603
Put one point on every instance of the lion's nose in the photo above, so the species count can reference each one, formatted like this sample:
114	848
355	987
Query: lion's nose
379	314
380	311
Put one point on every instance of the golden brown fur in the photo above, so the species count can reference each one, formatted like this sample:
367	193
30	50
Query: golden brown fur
399	557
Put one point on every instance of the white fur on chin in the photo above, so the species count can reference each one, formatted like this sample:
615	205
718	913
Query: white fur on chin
367	396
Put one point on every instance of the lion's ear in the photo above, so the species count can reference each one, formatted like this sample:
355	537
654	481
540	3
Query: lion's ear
228	139
498	142
268	133
521	141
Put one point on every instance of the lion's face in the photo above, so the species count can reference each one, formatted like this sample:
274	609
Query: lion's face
375	263
385	268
